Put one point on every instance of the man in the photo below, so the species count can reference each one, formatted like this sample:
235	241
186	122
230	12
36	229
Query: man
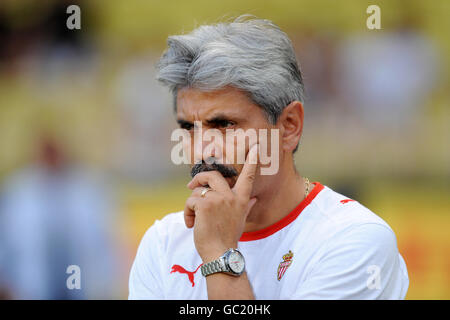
54	214
243	234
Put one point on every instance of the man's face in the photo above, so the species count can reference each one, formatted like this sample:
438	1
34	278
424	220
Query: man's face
222	111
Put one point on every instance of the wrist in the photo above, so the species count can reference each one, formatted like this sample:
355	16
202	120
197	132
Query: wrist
214	252
223	287
231	262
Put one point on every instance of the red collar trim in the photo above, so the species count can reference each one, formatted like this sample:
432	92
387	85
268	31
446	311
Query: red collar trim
277	226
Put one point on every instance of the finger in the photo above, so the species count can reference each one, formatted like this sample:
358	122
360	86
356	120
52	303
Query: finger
212	178
244	183
197	192
189	212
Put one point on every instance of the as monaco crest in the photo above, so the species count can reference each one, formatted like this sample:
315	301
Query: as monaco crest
287	260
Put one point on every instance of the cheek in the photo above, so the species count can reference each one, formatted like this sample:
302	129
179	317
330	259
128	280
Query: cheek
263	183
229	152
270	147
237	144
188	149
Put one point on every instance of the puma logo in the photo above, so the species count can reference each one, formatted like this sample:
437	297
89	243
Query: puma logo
346	200
190	274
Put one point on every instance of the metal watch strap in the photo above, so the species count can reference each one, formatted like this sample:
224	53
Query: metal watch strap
215	266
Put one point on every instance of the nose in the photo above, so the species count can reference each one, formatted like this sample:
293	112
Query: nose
208	146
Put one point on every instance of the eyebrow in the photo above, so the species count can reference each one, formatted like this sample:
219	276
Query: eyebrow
218	119
215	120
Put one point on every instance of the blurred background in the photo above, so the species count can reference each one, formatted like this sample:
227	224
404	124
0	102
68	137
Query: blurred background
85	130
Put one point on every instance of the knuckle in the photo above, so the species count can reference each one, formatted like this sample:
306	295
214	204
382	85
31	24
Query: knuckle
202	174
216	173
199	176
225	200
197	192
207	173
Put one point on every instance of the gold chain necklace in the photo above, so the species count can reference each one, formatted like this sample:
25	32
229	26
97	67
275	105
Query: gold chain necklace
307	186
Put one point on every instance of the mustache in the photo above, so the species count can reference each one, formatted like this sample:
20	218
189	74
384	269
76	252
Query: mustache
226	172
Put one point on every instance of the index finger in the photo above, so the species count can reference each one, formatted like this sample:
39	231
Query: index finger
212	178
244	183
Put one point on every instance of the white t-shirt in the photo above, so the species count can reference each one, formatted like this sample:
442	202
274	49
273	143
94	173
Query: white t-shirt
328	247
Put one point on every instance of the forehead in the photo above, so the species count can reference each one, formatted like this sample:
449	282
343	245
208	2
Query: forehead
194	103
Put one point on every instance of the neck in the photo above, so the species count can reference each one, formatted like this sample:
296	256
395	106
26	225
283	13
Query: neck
277	202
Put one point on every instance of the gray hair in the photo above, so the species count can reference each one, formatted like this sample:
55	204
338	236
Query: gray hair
253	55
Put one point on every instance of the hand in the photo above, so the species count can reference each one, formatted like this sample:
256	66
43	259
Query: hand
219	217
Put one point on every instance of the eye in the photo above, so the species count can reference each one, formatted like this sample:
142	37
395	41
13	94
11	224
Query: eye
187	126
225	123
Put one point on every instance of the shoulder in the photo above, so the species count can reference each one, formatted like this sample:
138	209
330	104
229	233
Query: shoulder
164	230
145	280
351	233
339	214
353	246
151	252
170	222
345	224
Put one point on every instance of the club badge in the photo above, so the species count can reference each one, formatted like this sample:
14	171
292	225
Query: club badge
287	261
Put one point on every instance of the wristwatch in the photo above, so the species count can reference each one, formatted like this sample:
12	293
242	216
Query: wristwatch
231	262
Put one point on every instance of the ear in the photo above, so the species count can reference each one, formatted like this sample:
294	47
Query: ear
291	121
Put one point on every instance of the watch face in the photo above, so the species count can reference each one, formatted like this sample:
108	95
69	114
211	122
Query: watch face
236	262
